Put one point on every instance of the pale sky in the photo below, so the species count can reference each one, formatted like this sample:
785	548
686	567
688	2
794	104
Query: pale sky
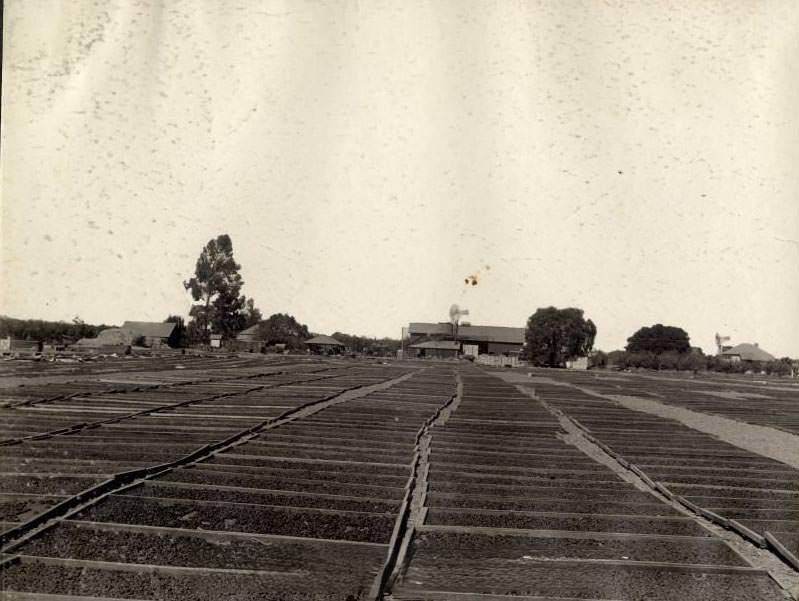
634	159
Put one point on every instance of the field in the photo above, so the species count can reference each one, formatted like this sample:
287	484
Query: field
297	478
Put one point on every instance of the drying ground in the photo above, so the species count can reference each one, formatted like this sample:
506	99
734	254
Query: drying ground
244	478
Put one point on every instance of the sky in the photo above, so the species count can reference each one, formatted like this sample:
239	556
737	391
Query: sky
634	159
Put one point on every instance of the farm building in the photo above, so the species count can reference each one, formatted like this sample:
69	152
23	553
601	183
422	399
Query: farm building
471	340
15	345
150	333
747	353
436	349
131	333
324	345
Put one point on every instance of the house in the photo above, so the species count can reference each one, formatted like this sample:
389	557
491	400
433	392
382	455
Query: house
471	340
150	333
747	353
324	345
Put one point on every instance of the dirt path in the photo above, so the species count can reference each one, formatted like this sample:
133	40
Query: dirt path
762	440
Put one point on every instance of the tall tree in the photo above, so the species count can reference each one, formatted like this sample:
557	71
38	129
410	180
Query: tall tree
282	328
217	285
659	339
554	336
250	315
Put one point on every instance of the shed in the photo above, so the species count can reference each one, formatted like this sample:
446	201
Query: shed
153	333
324	345
437	349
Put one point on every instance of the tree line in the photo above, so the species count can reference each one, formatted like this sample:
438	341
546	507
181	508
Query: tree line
555	336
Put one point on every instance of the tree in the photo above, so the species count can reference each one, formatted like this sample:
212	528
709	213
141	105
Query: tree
555	336
659	339
250	315
180	335
282	328
217	285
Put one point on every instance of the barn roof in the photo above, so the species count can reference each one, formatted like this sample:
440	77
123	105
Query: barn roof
749	352
470	332
323	340
150	329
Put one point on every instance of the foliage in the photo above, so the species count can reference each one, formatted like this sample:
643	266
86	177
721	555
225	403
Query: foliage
669	360
180	335
282	328
659	339
51	332
250	315
554	336
217	285
599	359
367	345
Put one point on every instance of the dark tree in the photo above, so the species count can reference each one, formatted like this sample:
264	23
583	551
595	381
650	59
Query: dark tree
250	315
556	335
282	328
367	345
180	335
659	339
217	285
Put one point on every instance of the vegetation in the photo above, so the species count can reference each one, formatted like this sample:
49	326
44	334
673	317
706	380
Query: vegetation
672	360
555	336
659	339
367	345
282	328
217	285
50	332
180	335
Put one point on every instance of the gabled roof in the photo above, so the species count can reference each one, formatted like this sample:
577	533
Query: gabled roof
151	329
749	352
249	332
443	345
323	340
466	333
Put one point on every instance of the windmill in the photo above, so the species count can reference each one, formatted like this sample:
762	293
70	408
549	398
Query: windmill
455	314
720	340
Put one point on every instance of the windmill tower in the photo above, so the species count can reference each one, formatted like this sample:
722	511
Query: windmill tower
720	340
455	314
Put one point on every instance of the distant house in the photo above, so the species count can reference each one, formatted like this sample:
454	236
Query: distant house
747	353
151	333
15	345
324	345
145	333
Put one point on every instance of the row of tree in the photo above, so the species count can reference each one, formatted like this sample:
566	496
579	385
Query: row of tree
49	332
555	336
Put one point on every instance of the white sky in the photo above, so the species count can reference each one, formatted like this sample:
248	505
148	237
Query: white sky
635	159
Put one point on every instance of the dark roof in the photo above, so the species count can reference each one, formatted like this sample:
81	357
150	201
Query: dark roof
150	329
444	345
467	333
749	352
323	340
